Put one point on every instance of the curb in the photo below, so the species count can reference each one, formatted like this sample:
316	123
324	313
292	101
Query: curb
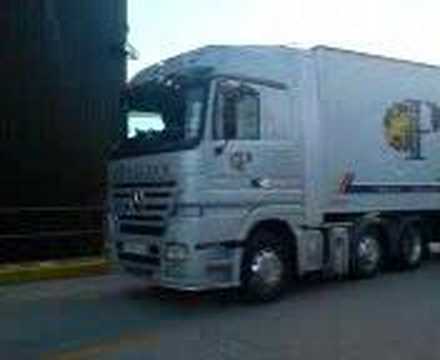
51	270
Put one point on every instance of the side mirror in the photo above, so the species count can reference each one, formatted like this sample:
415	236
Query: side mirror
220	148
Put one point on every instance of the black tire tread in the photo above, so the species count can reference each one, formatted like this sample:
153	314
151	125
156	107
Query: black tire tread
263	238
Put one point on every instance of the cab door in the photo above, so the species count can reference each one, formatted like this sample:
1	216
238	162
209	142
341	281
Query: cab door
236	132
252	156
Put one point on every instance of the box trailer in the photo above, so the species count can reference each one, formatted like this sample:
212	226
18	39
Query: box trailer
252	166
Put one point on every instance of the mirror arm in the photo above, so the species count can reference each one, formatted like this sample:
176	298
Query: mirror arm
220	149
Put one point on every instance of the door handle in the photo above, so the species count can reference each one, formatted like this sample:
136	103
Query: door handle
261	183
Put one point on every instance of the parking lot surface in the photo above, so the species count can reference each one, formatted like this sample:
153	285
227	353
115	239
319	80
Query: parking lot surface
395	316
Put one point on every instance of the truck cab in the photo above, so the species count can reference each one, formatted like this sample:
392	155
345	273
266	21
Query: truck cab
212	153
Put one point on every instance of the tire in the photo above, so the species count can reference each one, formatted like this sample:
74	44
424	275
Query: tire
266	266
411	246
368	251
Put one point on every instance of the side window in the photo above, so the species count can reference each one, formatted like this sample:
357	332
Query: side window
278	111
237	112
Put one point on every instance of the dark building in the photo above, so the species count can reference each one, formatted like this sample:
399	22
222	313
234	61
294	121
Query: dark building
62	69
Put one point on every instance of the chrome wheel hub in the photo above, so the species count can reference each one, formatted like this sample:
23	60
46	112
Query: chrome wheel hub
268	267
369	252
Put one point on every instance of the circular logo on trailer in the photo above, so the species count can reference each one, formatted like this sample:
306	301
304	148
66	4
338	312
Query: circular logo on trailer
399	127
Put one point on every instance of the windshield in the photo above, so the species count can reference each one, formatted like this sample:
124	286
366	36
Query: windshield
163	117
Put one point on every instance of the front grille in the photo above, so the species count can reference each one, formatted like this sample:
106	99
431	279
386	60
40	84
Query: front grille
153	185
141	218
147	215
163	207
149	260
138	229
159	195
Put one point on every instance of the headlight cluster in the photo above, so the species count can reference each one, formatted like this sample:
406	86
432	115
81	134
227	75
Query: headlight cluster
176	252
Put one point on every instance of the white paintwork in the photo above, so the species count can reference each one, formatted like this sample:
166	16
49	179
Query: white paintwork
327	121
354	93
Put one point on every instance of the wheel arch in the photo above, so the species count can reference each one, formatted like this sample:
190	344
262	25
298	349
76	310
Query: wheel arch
421	224
383	226
418	221
277	226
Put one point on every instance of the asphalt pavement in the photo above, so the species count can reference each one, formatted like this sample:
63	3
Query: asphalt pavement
395	316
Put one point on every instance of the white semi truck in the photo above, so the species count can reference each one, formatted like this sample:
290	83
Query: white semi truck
252	166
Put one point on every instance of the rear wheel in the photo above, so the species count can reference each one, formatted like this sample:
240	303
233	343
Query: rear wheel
368	252
265	266
411	246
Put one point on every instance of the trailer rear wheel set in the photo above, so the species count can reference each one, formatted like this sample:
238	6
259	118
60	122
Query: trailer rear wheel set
411	245
268	265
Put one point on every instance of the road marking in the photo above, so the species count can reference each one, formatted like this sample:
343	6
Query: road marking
102	348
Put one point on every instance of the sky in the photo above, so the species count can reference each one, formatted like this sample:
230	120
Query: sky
407	29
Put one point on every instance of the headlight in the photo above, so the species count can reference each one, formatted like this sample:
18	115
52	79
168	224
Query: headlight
176	252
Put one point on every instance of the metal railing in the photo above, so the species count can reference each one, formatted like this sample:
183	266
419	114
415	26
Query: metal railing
43	233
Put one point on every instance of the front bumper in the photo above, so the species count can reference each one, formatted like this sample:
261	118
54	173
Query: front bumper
202	270
208	265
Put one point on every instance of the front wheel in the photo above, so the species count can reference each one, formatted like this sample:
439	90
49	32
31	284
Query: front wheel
367	252
265	266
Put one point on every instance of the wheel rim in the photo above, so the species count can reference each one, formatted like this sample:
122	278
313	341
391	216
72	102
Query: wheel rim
369	253
413	247
267	268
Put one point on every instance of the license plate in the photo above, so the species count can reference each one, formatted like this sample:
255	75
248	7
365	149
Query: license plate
135	248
